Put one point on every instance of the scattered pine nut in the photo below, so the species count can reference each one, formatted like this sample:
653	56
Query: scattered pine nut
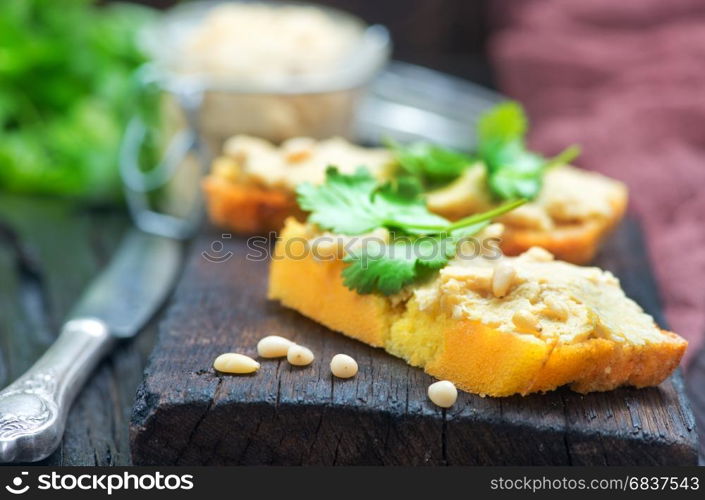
556	308
232	362
526	321
538	254
299	355
273	346
298	149
443	393
502	278
298	155
343	366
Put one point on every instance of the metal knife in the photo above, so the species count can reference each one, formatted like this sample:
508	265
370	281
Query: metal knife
34	408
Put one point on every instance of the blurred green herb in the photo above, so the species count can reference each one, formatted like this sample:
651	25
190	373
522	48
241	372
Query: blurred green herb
431	165
513	171
66	93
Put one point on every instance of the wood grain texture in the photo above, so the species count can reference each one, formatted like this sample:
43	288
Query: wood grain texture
49	252
187	414
696	392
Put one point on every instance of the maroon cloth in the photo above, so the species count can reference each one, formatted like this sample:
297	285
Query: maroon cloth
626	80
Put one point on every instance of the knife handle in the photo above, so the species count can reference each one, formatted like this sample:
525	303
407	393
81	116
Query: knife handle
33	409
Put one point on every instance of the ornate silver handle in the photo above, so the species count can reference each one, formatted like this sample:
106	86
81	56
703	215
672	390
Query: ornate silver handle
33	409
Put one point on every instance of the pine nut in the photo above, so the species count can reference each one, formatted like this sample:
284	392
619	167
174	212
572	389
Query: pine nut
298	149
538	254
556	308
381	233
529	217
526	321
273	346
443	393
343	366
502	278
298	155
299	355
232	362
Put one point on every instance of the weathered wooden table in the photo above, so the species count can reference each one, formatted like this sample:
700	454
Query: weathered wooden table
49	251
188	414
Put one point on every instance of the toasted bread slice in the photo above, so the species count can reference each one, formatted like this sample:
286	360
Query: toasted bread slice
248	208
252	190
576	243
582	330
574	213
251	187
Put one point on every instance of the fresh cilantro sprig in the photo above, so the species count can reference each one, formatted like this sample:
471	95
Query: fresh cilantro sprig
431	165
356	204
421	242
388	267
512	170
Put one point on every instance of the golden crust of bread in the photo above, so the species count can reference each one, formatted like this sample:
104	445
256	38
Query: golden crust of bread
251	209
248	208
575	243
476	357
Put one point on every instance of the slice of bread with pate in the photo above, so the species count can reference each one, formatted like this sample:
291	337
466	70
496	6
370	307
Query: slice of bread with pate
251	189
252	186
573	213
492	325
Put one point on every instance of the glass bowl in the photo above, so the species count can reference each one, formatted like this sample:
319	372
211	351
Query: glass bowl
201	109
317	105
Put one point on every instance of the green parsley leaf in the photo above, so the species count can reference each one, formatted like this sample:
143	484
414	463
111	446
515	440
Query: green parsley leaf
432	165
505	122
422	242
356	204
387	268
513	171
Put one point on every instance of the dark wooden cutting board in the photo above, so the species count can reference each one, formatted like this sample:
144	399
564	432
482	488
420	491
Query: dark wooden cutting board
187	414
